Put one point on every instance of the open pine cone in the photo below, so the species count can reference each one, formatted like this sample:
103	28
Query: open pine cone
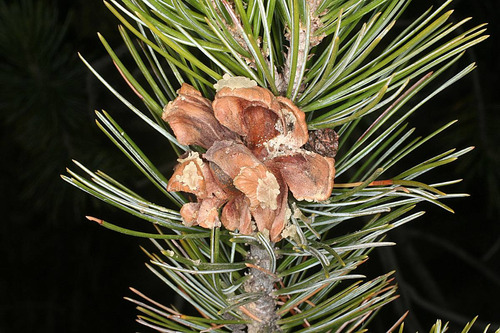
254	156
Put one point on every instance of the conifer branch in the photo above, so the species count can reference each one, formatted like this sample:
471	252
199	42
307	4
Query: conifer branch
266	126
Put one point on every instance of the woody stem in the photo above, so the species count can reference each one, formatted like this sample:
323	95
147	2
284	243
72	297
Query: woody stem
260	281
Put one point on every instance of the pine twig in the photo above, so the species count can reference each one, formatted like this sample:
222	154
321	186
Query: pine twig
262	282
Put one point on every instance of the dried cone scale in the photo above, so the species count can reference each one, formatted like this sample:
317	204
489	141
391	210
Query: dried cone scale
255	155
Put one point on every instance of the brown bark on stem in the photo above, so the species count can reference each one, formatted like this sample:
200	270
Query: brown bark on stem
261	282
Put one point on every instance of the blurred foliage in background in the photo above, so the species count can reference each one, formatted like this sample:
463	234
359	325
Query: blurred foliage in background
56	273
63	274
42	99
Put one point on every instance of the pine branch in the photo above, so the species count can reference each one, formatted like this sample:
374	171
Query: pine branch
251	247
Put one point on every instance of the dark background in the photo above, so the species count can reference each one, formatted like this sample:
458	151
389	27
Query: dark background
62	273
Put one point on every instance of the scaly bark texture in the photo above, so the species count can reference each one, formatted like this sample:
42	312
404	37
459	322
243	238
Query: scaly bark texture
262	282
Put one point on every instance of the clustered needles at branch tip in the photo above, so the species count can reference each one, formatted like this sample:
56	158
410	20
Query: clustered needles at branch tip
307	39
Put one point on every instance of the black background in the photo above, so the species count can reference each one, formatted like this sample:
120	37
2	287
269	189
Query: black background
62	273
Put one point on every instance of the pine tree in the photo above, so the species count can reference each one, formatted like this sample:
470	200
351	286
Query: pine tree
289	119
